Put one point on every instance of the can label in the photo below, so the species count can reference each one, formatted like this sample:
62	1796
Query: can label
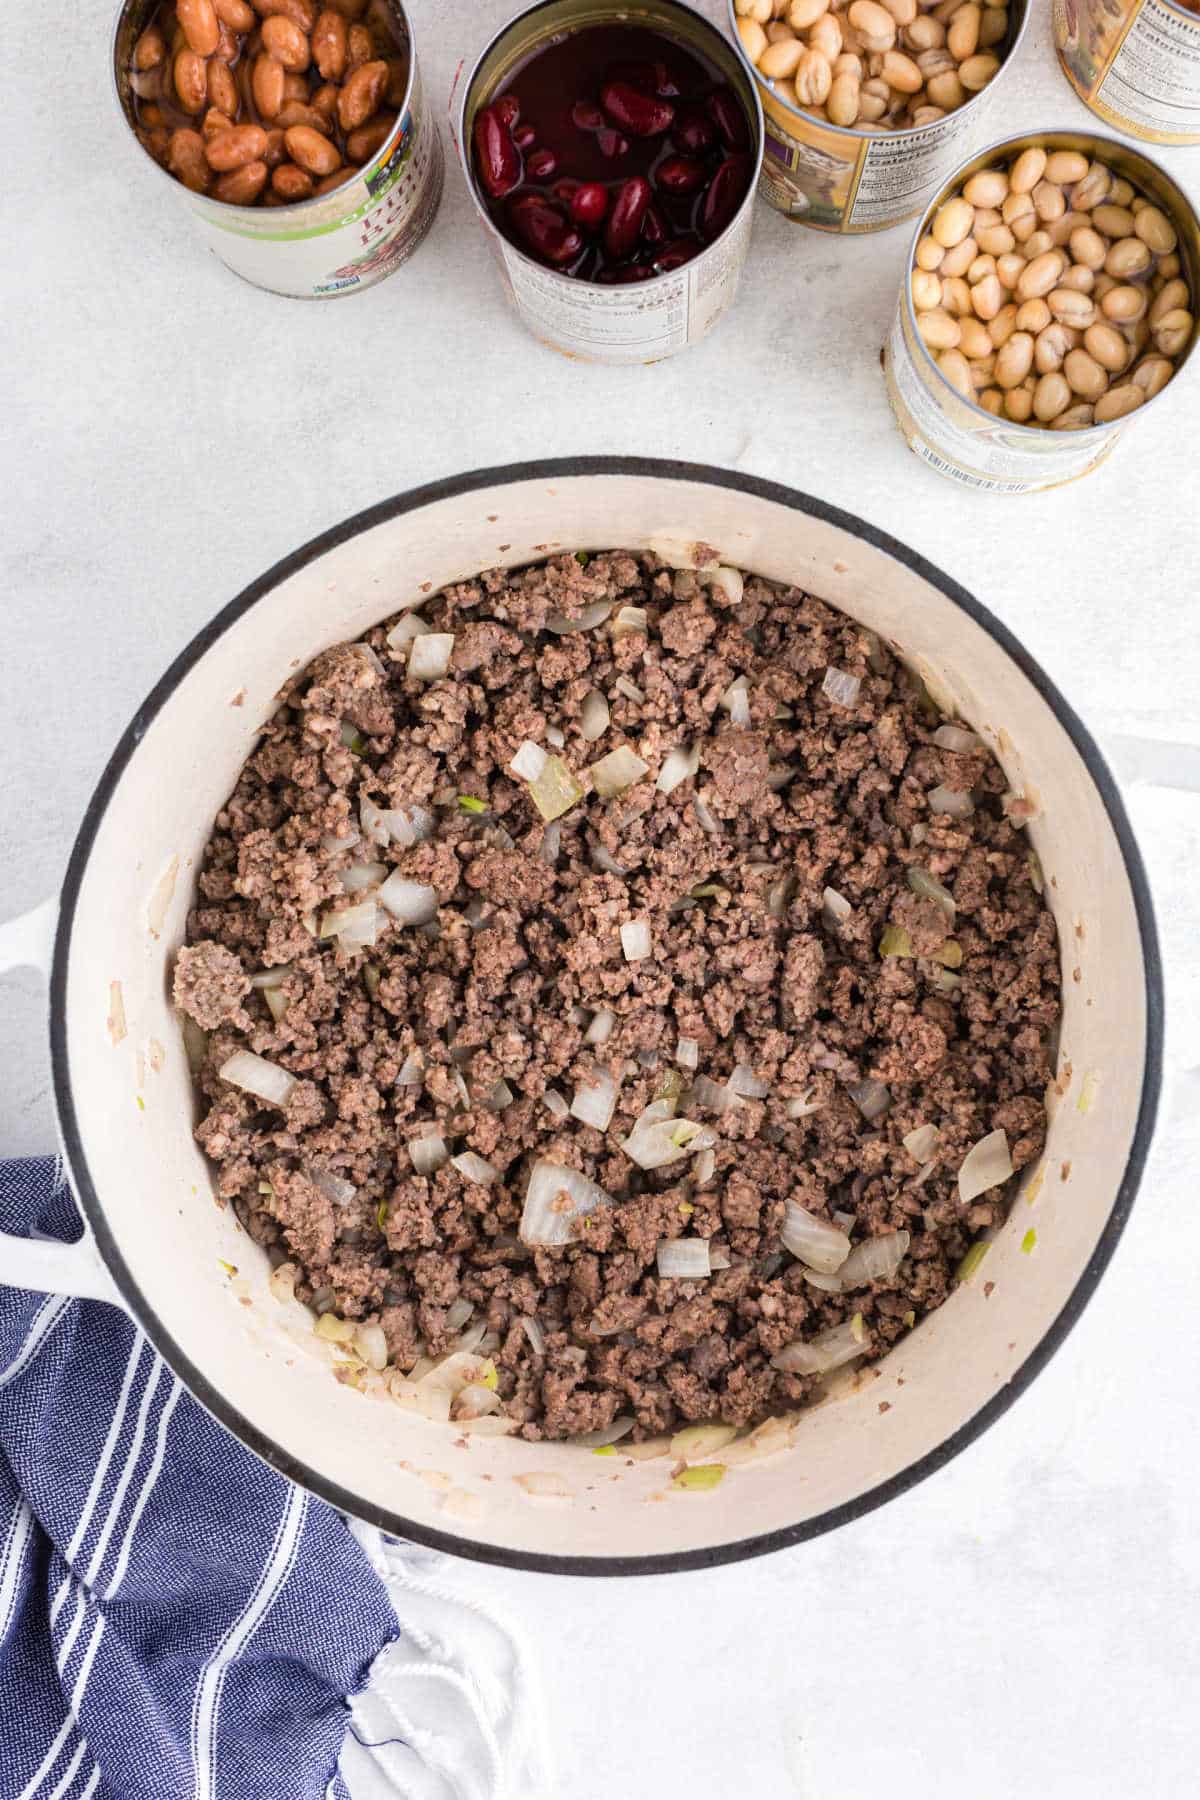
359	235
977	451
638	323
849	182
1136	63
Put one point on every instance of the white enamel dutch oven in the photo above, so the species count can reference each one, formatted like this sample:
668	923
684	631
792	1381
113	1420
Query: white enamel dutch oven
157	1244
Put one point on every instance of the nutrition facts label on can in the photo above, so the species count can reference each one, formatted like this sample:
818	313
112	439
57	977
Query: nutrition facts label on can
1154	80
898	172
989	457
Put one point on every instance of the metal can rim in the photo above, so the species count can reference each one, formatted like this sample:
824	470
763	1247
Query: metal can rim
1019	141
572	281
297	210
851	131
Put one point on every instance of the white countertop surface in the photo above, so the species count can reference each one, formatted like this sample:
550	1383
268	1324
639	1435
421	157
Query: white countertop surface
1027	1622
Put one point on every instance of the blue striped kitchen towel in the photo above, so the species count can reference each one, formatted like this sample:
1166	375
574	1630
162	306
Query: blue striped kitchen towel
177	1622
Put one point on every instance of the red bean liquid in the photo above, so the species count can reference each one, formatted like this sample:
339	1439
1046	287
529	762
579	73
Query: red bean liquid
614	155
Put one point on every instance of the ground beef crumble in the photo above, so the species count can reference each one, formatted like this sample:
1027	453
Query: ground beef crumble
462	1024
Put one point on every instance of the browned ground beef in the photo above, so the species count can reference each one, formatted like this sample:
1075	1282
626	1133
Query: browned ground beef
500	989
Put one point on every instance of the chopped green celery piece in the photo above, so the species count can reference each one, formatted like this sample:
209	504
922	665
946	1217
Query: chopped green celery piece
895	942
229	1268
488	1375
605	1450
686	1209
555	791
1029	1241
969	1265
141	1103
910	1319
381	1213
700	1480
470	804
582	558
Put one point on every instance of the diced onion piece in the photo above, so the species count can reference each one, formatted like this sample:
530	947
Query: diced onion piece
412	1070
334	1187
475	1168
594	716
739	708
373	824
841	688
718	1256
529	761
277	1004
636	941
603	860
950	802
556	1198
555	1105
429	1153
195	1039
875	1259
630	689
589	618
827	1284
351	737
282	1282
601	1027
696	1442
551	845
555	738
431	1403
617	771
429	658
359	878
665	1107
472	1338
953	737
871	1097
704	818
474	1402
459	1370
1036	877
604	1435
409	825
922	882
687	1053
543	1484
667	1141
499	1096
949	954
458	1312
679	765
713	1096
703	1170
628	620
353	925
944	981
409	902
255	1075
750	1086
729	582
921	1142
554	790
895	942
828	1350
835	906
411	626
683	1259
595	1102
371	1345
269	978
332	1330
802	1106
985	1166
813	1241
537	1337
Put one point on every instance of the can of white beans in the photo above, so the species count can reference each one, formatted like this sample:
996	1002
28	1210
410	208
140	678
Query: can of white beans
589	319
869	176
1134	62
339	241
993	453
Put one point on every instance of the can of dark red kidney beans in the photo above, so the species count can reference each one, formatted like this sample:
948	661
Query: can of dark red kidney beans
1135	62
653	318
336	243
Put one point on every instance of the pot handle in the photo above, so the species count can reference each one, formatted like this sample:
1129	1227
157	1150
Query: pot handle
44	1264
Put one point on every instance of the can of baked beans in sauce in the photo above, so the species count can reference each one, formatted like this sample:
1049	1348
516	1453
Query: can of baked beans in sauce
961	440
587	320
856	179
1136	63
336	243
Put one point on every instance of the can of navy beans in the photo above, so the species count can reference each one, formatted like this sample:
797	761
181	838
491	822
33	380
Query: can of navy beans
621	222
301	143
868	105
1076	325
1135	62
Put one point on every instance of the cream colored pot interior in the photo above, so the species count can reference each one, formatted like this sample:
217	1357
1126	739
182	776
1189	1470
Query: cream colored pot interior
135	1108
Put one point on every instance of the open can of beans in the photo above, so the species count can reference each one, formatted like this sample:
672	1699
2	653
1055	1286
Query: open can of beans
1051	294
300	140
1135	62
869	103
612	153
